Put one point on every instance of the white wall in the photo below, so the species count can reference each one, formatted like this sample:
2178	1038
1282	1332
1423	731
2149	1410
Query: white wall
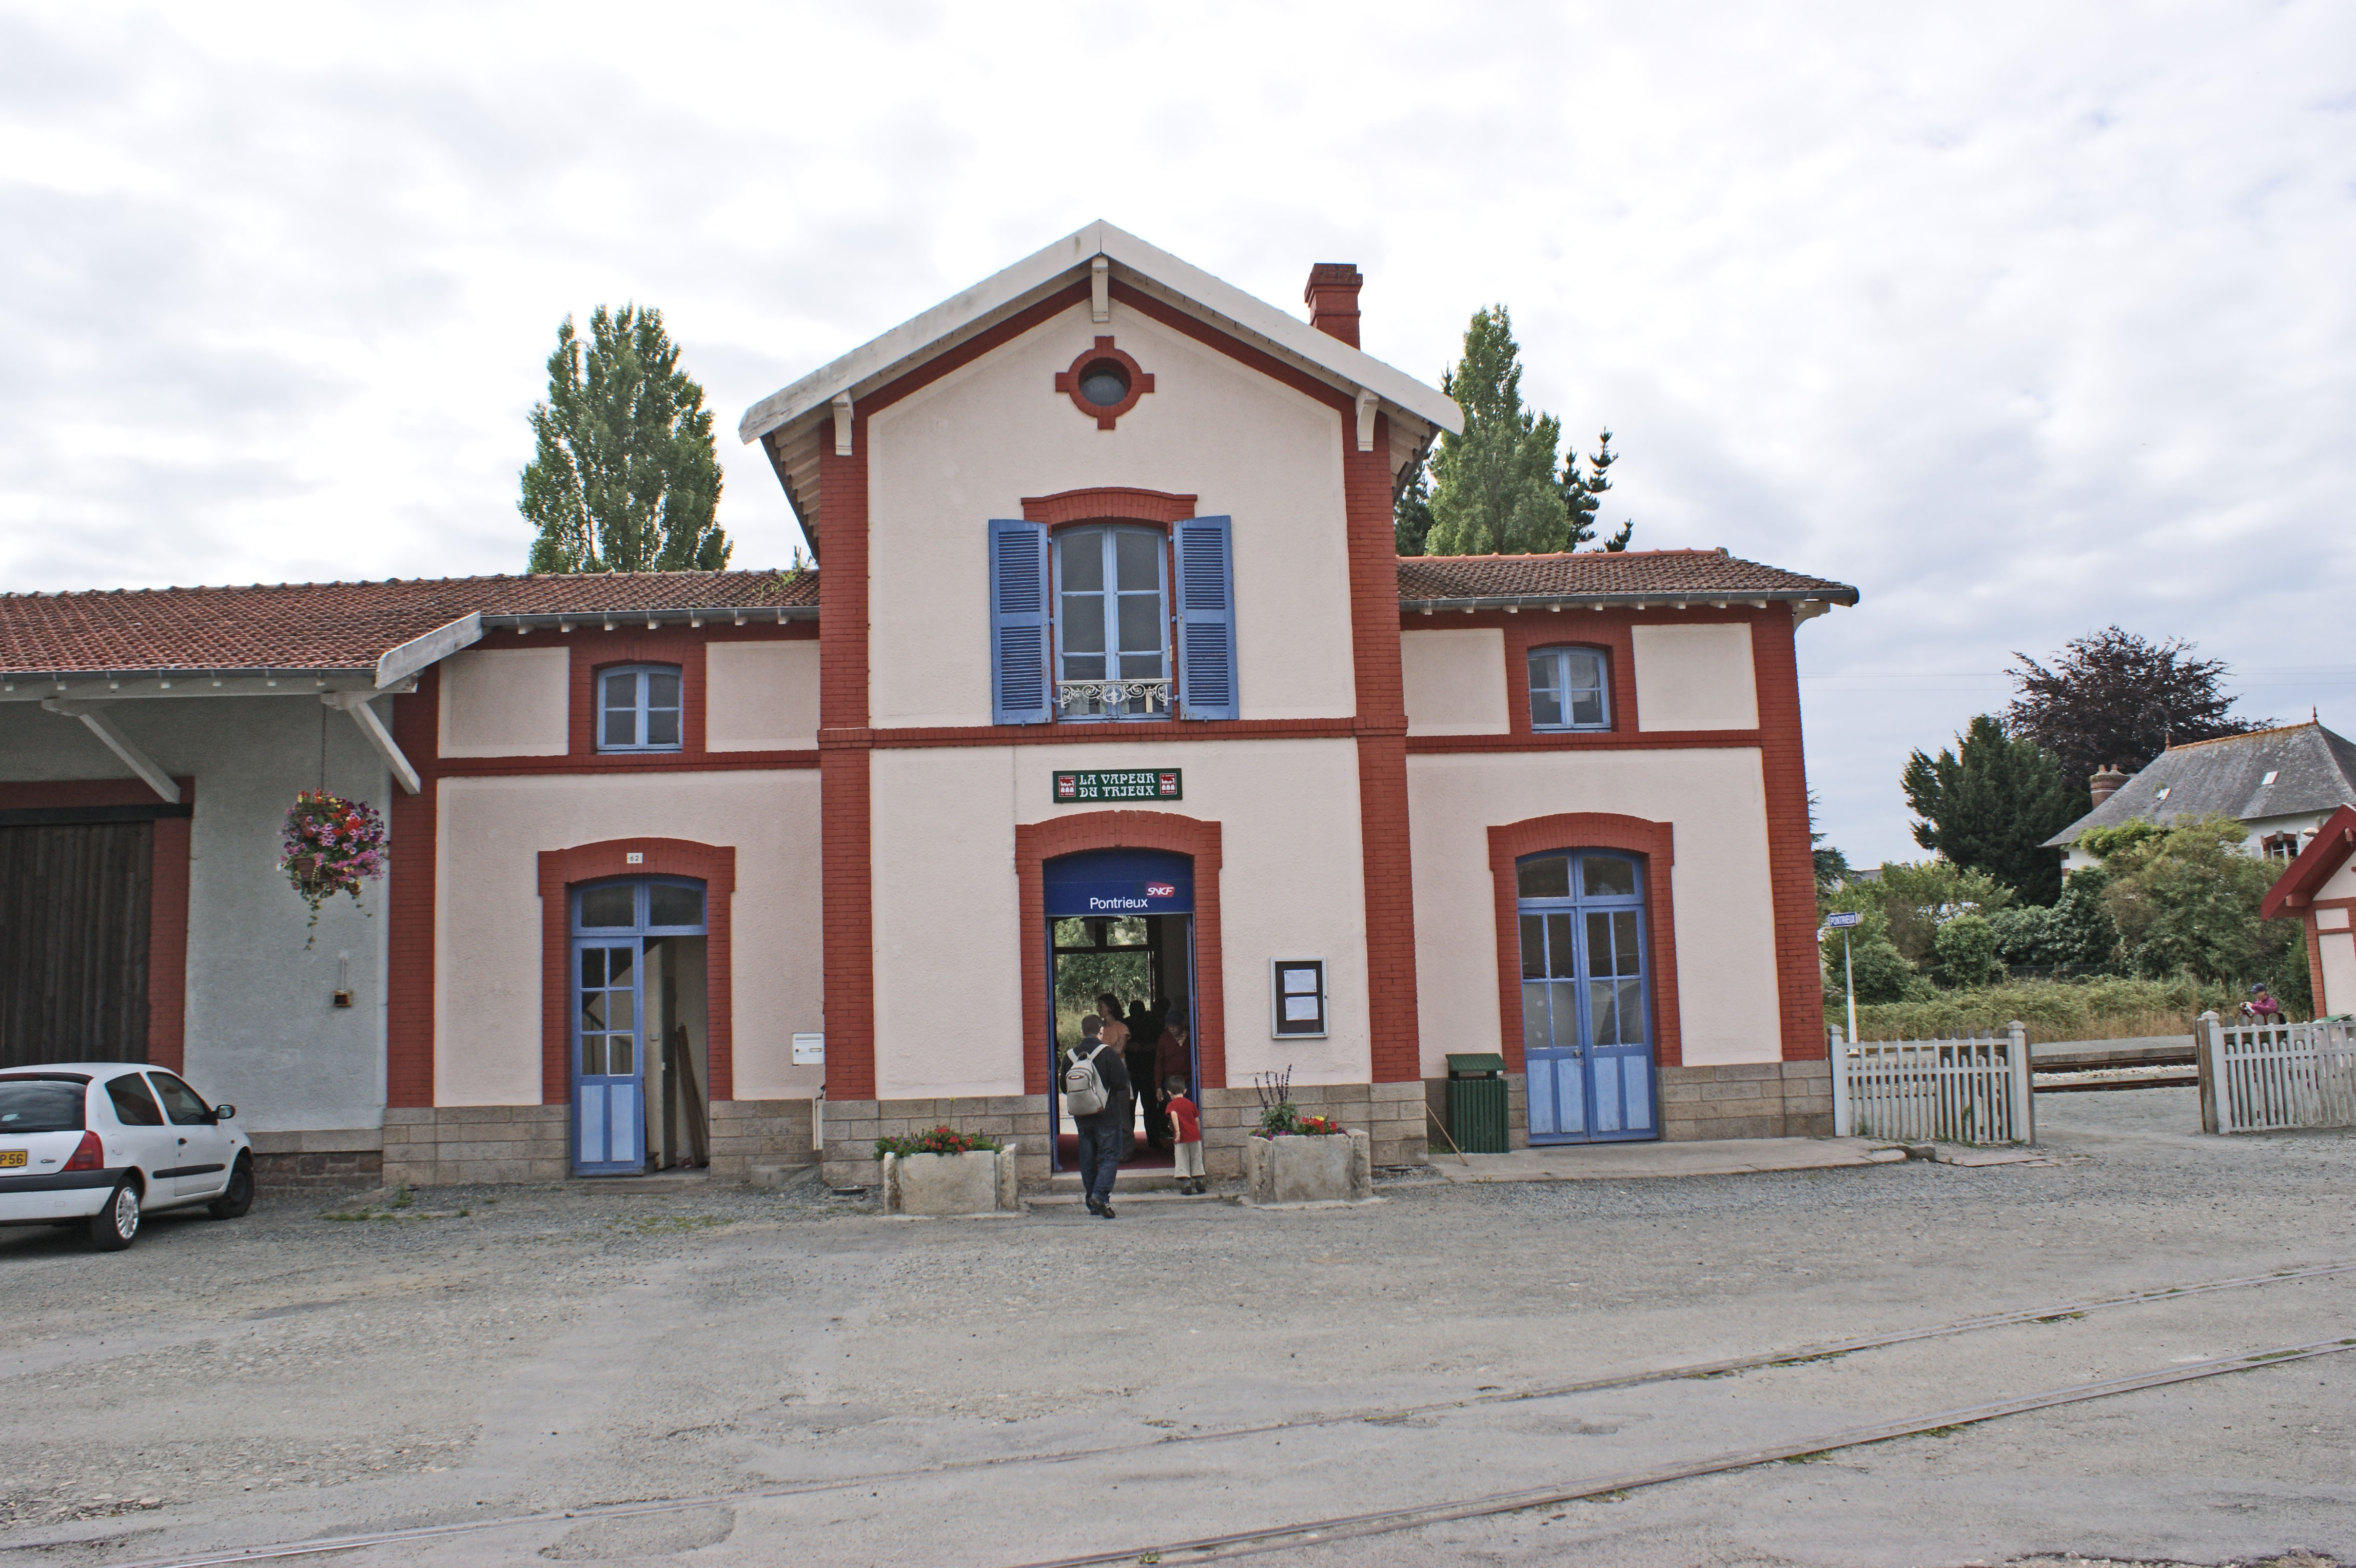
506	702
949	954
969	447
760	696
1695	677
1455	681
486	999
263	1032
1715	800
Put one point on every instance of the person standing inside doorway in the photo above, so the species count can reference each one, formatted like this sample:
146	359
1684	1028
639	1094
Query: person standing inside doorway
1104	1135
1186	1133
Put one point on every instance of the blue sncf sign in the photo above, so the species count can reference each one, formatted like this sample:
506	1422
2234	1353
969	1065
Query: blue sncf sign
1120	881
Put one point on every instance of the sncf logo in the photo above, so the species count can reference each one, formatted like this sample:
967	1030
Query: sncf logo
1161	890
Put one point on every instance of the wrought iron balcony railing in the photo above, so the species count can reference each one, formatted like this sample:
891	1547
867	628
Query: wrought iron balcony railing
1112	699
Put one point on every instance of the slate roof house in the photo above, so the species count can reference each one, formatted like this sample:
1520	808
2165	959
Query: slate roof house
1108	663
2281	783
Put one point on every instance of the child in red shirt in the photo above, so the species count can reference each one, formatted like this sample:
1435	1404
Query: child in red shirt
1186	1135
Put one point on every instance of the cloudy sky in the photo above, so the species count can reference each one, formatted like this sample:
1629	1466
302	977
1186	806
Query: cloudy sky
2024	319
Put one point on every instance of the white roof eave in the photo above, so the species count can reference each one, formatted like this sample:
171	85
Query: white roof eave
1040	274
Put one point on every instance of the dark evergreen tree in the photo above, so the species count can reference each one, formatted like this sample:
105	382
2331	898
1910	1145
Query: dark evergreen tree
1411	512
2115	697
625	476
1990	804
1581	493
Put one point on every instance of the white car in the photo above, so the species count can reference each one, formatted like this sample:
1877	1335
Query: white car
97	1144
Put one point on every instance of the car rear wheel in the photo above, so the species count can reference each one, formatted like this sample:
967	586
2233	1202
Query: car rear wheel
237	1195
116	1226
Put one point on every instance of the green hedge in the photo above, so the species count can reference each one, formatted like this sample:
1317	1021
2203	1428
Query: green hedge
2053	1010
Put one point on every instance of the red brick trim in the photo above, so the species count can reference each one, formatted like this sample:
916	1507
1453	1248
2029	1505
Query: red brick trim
1265	363
1035	843
1174	732
1395	1044
846	891
1790	866
931	370
715	866
658	762
167	896
1141	382
1656	842
413	853
1658	740
663	645
1107	503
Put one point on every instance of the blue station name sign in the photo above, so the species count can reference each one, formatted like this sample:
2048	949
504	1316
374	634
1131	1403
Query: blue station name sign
1120	784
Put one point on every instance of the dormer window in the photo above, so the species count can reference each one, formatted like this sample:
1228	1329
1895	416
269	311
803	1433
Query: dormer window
638	708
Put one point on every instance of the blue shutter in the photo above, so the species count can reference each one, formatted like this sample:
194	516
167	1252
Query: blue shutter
1020	688
1207	618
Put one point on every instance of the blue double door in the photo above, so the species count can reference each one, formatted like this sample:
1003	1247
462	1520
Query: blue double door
617	927
1586	1040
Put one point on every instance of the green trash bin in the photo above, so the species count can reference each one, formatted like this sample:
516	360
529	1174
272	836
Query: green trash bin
1476	1101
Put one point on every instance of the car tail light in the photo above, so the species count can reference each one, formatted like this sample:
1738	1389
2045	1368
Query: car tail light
88	1155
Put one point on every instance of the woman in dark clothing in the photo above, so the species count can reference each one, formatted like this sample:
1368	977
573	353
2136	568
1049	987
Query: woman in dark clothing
1138	1054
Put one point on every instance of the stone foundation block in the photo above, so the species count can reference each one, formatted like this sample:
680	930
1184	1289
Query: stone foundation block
981	1181
1333	1168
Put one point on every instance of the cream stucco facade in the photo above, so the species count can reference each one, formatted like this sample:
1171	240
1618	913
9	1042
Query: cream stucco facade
948	934
1714	799
969	447
486	993
1695	677
760	696
1455	681
506	702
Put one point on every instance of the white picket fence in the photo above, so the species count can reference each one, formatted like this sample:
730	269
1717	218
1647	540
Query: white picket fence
1949	1091
2267	1077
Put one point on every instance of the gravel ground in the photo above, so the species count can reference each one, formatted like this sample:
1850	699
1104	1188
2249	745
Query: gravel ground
491	1352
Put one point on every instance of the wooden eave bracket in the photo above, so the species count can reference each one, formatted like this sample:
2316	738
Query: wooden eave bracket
115	741
842	410
371	727
1099	290
1369	403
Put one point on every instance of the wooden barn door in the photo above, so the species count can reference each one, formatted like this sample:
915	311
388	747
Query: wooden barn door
73	941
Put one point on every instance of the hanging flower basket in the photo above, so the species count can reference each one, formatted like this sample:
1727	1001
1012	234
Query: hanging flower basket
331	845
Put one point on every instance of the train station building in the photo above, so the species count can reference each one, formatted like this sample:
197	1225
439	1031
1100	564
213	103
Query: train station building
1108	673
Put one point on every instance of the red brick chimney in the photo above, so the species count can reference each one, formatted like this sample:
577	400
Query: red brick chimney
1333	299
2106	783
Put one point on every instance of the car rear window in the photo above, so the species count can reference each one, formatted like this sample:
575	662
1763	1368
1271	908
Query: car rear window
32	1106
133	1106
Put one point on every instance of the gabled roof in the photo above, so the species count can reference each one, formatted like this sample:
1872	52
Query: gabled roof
1068	261
319	627
2296	770
1672	577
2324	854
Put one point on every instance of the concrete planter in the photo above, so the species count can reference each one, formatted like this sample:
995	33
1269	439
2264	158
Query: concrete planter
981	1181
1331	1167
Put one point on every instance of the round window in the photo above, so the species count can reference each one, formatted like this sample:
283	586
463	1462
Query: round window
1104	383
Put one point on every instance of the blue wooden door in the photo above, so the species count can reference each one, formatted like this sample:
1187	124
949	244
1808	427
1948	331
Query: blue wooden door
1586	1030
609	1069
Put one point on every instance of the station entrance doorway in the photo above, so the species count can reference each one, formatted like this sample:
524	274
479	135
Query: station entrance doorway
1121	922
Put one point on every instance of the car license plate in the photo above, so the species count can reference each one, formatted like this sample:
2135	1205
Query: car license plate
11	1158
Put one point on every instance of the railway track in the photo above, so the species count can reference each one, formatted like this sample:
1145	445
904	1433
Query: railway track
1287	1537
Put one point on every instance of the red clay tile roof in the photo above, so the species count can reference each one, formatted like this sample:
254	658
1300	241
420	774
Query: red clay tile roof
1669	575
332	626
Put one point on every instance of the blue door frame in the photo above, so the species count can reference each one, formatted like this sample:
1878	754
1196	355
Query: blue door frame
614	924
1586	1036
1093	884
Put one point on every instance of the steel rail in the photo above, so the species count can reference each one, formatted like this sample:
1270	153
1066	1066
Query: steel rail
1824	1350
1293	1537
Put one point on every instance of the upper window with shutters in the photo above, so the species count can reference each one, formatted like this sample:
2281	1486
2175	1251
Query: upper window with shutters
1085	626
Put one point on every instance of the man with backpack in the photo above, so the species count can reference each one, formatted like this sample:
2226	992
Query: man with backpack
1097	1095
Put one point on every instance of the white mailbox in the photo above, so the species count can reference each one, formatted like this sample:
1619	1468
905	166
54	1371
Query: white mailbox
809	1050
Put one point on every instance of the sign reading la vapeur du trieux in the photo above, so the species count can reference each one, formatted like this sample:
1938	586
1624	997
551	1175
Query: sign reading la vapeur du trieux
1121	784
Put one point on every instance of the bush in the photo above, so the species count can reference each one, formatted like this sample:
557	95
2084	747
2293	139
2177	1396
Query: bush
2053	1010
1965	946
2185	899
2077	931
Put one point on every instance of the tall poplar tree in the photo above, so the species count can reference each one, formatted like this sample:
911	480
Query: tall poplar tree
1493	491
626	476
